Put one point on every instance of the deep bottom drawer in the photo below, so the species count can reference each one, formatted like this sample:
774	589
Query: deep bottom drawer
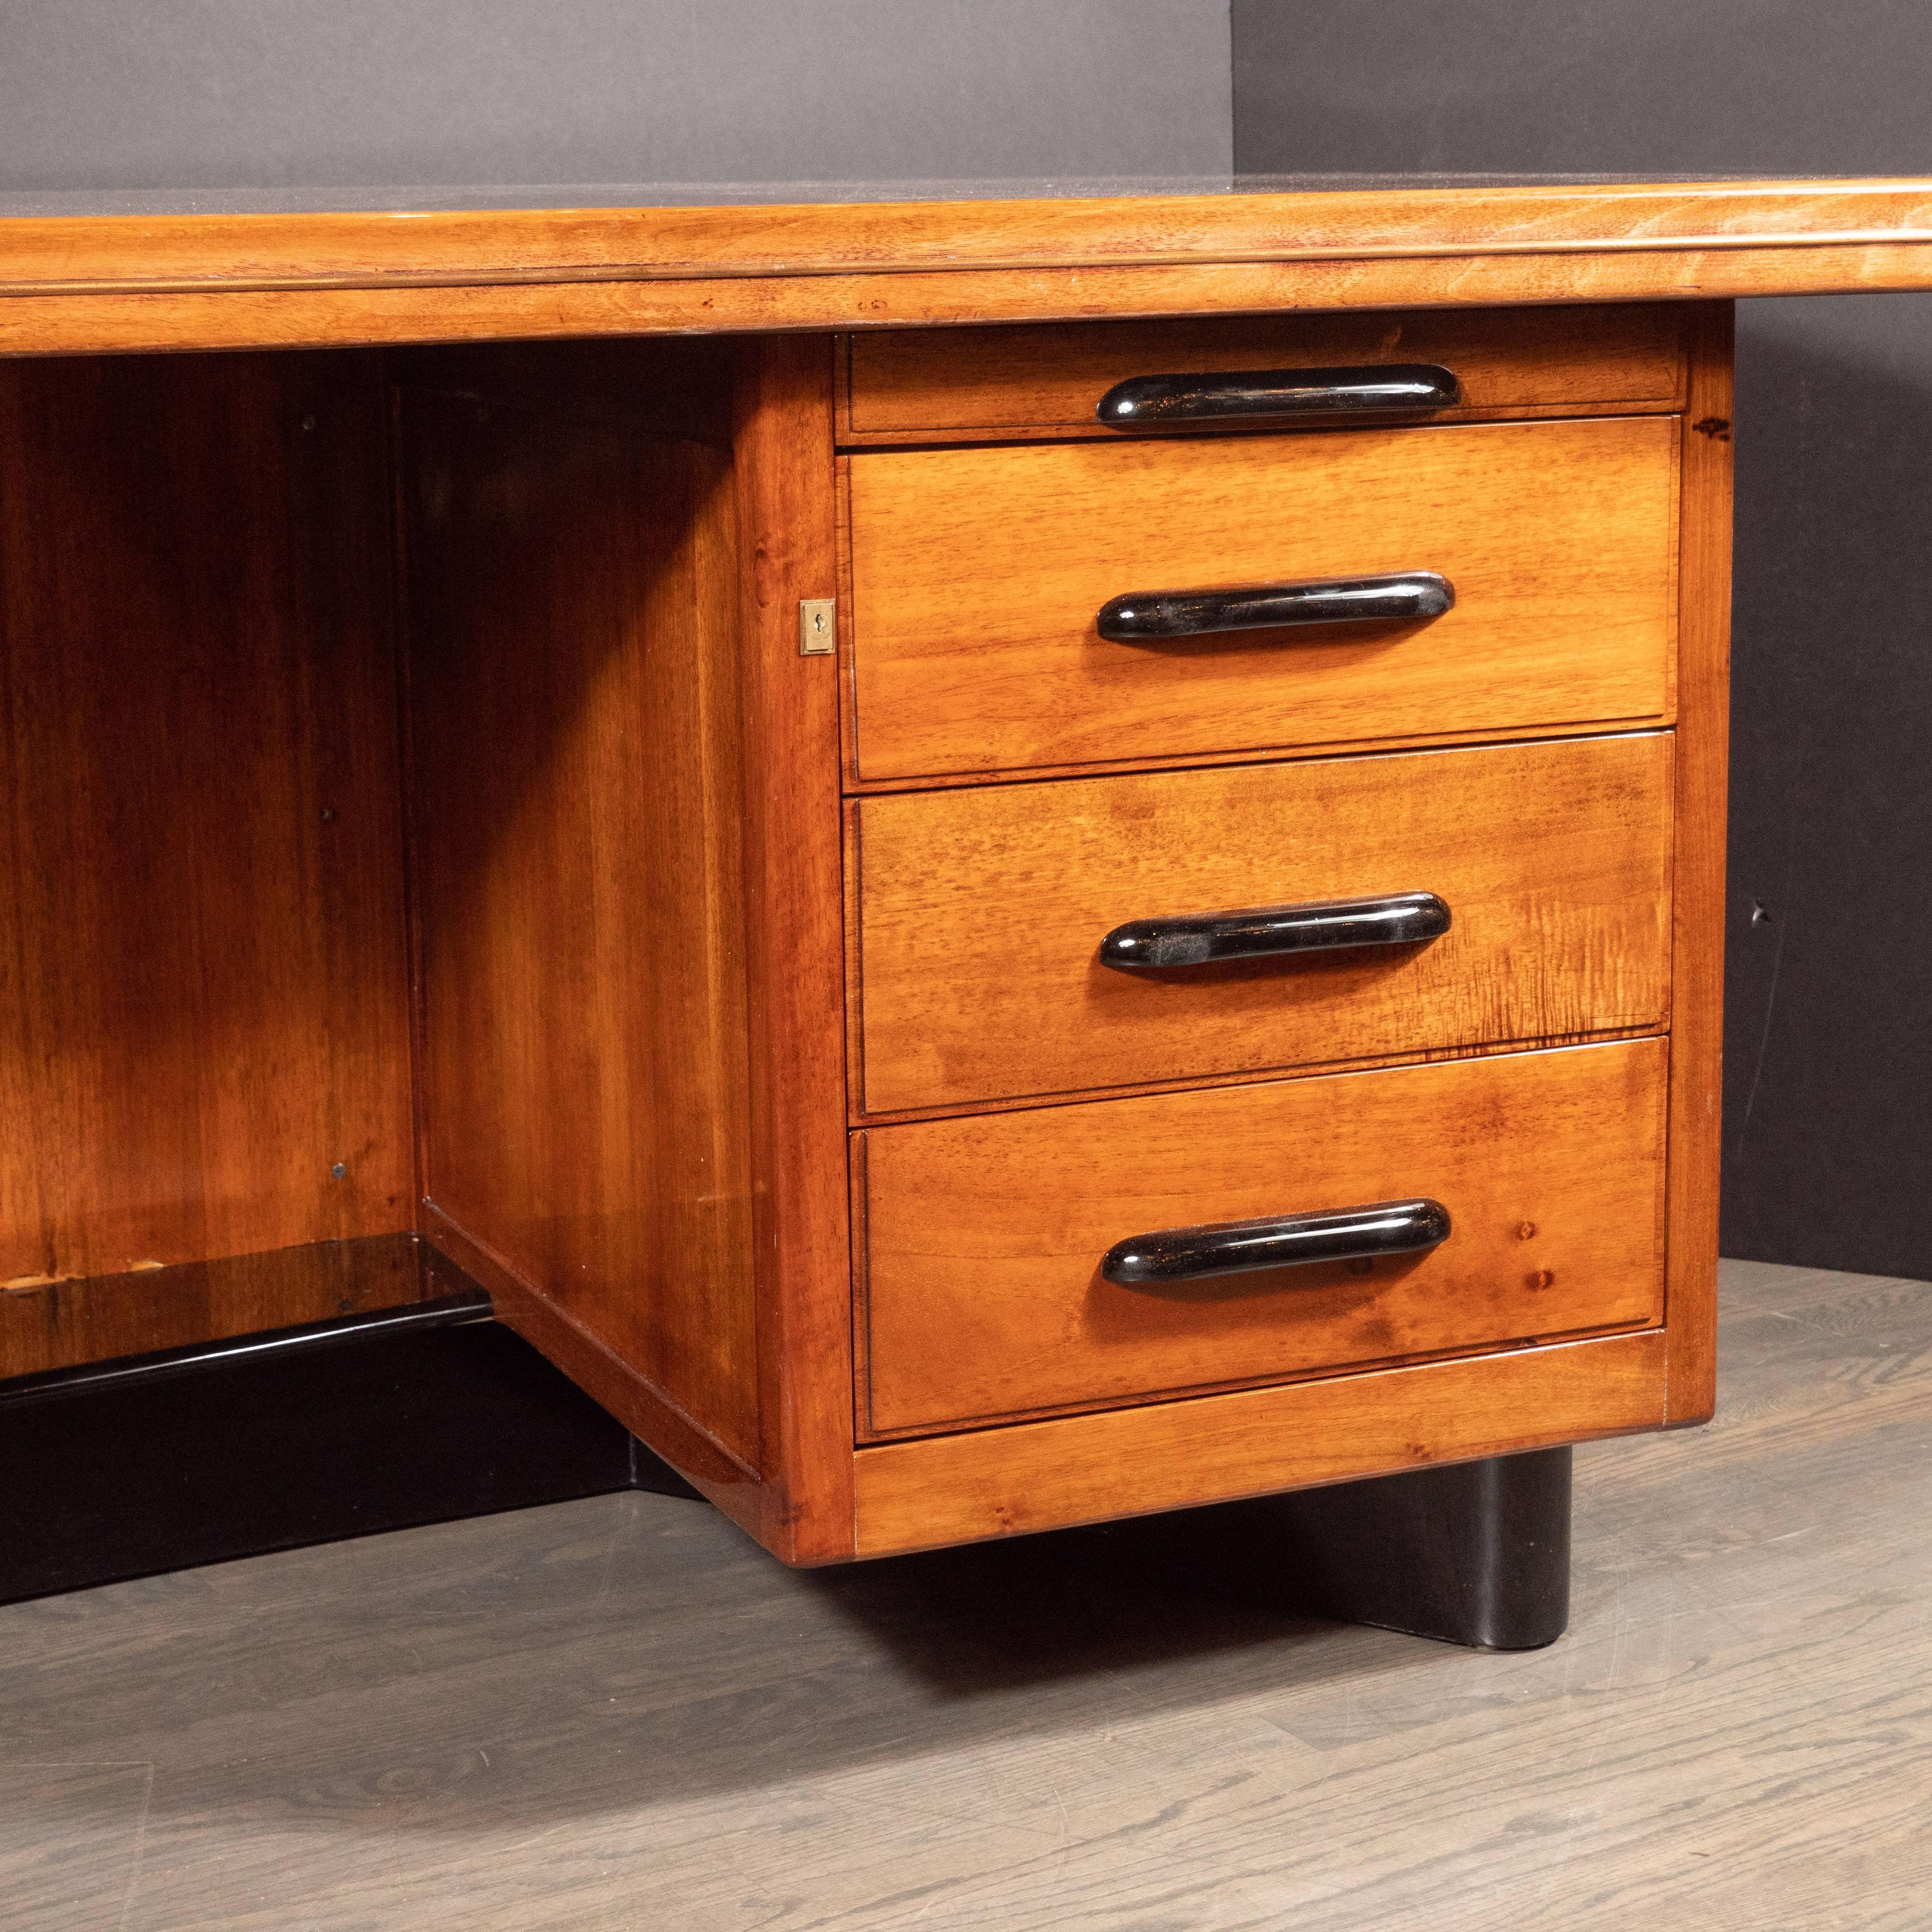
982	1292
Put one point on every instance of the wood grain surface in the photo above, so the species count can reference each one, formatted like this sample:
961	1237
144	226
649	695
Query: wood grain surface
203	1020
794	947
680	386
945	384
572	1343
982	1295
936	1490
308	316
977	575
548	245
980	915
67	1323
120	283
624	783
616	1713
1696	1051
631	933
571	597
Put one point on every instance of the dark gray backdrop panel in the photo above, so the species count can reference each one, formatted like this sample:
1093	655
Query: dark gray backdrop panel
1828	1076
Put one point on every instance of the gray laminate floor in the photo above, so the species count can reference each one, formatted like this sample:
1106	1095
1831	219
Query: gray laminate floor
617	1713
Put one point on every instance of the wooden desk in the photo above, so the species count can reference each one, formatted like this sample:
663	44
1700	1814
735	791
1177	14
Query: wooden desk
730	961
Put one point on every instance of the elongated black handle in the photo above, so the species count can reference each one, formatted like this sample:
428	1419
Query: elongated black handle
1277	1241
1261	932
1145	614
1266	395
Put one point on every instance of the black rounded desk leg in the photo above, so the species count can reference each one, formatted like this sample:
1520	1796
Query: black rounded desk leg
1474	1553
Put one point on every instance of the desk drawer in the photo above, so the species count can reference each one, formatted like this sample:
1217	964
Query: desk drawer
984	1238
981	914
978	576
1047	379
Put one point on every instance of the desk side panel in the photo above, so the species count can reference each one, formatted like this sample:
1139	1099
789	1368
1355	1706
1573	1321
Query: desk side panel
571	589
1697	963
795	942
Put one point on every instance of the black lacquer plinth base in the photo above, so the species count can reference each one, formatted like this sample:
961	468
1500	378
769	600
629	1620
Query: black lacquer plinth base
429	1411
422	1414
1475	1553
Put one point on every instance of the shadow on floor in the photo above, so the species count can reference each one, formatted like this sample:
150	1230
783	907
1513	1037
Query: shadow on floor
633	1651
1001	1616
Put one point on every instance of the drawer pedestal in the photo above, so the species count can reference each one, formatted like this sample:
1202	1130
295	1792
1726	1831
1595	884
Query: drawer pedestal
723	966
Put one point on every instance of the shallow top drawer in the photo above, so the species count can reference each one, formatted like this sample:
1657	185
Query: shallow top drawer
940	385
980	578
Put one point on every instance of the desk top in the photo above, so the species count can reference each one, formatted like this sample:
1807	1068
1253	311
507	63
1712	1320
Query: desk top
151	272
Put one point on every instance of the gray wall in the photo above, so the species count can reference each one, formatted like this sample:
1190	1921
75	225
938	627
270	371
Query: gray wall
294	93
1828	1134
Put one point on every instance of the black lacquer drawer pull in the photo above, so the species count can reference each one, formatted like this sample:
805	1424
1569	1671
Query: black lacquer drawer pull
1144	615
1262	395
1277	1241
1262	932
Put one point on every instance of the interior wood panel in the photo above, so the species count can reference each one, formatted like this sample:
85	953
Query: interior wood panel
680	388
984	1235
944	383
604	1375
977	575
203	1020
979	914
572	595
935	1490
66	1323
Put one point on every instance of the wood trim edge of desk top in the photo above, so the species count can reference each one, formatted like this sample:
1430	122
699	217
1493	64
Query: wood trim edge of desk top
100	254
843	265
